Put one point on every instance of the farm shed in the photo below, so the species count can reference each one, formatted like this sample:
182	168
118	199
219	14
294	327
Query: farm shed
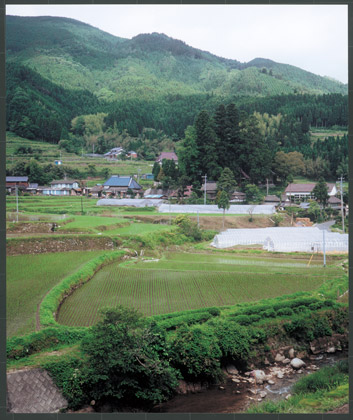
213	209
284	239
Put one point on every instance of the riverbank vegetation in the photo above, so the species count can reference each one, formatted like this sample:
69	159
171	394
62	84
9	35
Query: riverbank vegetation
319	392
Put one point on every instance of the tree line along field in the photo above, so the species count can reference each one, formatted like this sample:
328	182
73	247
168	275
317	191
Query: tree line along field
190	281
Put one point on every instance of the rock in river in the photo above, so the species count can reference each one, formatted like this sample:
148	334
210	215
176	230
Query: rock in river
297	363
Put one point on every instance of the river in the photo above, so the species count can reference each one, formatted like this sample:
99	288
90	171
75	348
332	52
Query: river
234	397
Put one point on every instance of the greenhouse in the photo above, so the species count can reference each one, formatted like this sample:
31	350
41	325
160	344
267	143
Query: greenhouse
132	202
284	239
213	209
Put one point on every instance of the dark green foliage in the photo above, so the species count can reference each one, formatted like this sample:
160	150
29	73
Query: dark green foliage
320	192
188	228
226	182
285	311
127	360
187	319
234	340
37	108
206	143
308	326
196	353
69	377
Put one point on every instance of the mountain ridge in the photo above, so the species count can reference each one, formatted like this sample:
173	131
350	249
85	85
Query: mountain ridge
92	59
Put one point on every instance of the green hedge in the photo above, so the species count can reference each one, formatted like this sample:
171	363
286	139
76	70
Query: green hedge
51	302
18	347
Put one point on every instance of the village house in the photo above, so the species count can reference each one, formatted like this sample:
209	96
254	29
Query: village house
168	156
211	192
237	197
61	187
21	182
114	153
335	203
303	192
118	186
272	199
131	154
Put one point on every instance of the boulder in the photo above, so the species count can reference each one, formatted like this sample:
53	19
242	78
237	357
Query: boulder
263	394
297	363
270	382
279	357
331	349
291	353
232	370
259	376
280	375
286	361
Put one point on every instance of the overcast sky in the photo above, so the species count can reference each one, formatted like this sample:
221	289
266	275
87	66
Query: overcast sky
313	38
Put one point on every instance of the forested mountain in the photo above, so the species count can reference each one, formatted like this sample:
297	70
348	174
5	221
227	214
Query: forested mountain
59	69
79	56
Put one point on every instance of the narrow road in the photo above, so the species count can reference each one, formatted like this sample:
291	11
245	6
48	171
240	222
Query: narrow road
325	225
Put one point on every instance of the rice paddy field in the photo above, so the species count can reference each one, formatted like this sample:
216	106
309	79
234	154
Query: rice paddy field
182	281
29	278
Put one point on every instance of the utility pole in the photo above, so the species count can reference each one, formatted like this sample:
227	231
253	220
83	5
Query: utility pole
324	246
342	212
16	203
204	200
266	186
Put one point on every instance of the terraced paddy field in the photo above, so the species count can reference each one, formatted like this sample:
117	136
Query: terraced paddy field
182	281
29	278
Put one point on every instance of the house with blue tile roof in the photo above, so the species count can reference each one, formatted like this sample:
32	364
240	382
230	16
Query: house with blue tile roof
118	186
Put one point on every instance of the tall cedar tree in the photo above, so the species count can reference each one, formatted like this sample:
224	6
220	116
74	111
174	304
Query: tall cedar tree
256	156
320	192
207	144
226	182
220	119
233	141
188	156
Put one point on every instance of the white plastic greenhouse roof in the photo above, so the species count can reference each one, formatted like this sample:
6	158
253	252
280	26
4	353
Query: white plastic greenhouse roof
213	209
132	202
284	239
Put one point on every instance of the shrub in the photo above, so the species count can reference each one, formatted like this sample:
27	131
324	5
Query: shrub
69	377
285	311
269	313
234	340
242	319
196	353
299	329
127	360
321	326
18	347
